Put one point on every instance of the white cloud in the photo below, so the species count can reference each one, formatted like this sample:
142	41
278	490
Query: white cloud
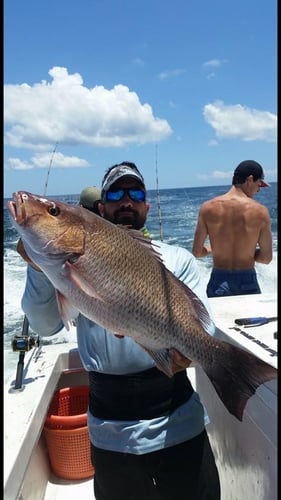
43	161
171	74
216	175
240	122
221	175
18	164
66	111
214	63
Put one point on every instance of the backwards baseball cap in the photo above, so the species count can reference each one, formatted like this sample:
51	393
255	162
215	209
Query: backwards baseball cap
89	196
118	172
249	167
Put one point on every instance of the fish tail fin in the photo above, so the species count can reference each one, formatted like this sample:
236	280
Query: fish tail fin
236	374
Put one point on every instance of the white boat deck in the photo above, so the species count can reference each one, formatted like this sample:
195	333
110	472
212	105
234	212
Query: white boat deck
259	340
58	489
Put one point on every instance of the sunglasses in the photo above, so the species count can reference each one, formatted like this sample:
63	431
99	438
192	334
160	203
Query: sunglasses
118	194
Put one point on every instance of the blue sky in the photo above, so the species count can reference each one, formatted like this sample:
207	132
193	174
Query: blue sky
189	85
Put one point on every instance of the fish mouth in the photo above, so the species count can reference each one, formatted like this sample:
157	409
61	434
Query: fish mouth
16	207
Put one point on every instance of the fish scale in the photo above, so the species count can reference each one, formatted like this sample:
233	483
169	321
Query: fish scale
115	277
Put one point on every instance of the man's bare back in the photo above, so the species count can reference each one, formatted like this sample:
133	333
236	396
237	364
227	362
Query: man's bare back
235	225
239	231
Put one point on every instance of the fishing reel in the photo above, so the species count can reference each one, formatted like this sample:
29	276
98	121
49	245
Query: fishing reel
24	343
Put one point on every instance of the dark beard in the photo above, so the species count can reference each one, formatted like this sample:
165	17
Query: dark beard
127	220
121	217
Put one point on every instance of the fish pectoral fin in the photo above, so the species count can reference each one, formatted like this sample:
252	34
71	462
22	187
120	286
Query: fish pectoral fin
78	280
162	359
67	311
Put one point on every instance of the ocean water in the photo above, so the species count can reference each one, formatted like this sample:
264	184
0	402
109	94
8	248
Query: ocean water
172	217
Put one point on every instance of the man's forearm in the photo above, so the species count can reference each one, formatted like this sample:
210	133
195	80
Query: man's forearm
39	303
262	258
204	251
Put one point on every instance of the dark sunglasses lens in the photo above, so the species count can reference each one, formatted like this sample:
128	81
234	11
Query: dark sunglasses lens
114	195
134	194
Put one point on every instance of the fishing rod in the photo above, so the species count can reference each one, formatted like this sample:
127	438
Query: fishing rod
48	173
24	342
158	196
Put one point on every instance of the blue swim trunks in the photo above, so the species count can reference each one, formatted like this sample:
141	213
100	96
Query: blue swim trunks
223	283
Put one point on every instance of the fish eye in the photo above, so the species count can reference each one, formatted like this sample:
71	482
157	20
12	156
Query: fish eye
54	210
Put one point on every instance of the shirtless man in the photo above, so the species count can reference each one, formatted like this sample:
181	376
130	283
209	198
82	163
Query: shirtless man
239	231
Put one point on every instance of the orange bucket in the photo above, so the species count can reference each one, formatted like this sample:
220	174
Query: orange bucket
67	434
68	408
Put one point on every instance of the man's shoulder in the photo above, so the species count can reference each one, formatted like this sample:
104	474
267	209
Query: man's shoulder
213	204
215	200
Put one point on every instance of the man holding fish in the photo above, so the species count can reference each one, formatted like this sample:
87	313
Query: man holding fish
147	429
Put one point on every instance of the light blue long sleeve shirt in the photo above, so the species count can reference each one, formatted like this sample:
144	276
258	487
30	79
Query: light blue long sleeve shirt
101	351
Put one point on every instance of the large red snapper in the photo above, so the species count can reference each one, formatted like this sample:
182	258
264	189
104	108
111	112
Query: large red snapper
115	277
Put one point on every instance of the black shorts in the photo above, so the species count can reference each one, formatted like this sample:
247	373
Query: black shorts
186	471
225	283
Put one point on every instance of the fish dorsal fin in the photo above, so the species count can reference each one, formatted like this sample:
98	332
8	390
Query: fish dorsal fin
200	312
144	240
